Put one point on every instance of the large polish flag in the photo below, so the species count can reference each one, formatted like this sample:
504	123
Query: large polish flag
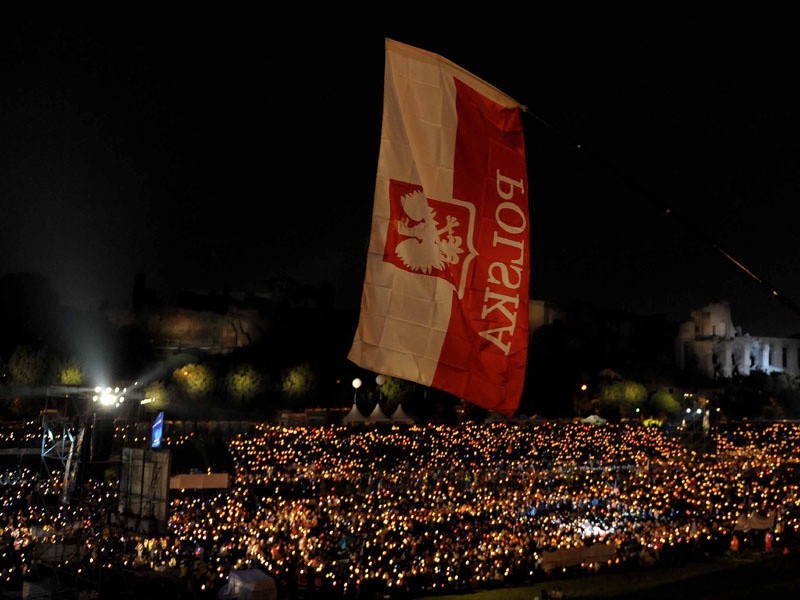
445	296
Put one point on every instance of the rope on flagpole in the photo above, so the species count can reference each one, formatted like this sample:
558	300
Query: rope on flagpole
668	211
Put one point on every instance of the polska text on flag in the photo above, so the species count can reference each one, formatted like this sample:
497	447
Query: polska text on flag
445	296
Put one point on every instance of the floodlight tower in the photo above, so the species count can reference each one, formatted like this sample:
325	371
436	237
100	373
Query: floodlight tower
60	426
64	431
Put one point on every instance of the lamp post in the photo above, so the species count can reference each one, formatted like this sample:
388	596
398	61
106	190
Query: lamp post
356	385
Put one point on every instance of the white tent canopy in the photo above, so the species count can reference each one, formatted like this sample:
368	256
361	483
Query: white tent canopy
400	416
354	416
378	416
595	420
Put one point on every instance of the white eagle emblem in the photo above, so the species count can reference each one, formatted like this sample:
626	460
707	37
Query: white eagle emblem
427	247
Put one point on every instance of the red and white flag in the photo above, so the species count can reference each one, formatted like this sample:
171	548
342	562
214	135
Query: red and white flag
445	297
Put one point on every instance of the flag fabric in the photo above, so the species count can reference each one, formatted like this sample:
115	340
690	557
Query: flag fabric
445	295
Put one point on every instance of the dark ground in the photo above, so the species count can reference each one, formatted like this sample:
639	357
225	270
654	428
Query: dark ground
756	575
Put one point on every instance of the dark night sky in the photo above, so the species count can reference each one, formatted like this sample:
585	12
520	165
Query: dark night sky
213	149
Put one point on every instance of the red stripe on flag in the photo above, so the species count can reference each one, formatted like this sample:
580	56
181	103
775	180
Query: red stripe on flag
485	352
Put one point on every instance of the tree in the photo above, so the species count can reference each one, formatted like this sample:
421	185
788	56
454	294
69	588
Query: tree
662	404
27	365
746	396
243	383
790	399
69	372
158	393
622	397
298	382
195	380
395	391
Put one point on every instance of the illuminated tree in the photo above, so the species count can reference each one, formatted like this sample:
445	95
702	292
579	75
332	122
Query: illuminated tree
27	365
622	397
662	403
395	391
298	382
158	393
243	383
69	373
195	380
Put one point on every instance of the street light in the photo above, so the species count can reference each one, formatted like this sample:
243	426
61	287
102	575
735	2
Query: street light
380	379
356	385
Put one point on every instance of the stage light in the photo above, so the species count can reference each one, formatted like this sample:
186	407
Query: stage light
109	396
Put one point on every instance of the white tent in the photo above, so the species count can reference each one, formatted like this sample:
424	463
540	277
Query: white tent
378	416
595	420
354	416
249	584
400	416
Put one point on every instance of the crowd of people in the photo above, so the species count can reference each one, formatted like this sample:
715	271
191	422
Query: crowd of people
337	511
